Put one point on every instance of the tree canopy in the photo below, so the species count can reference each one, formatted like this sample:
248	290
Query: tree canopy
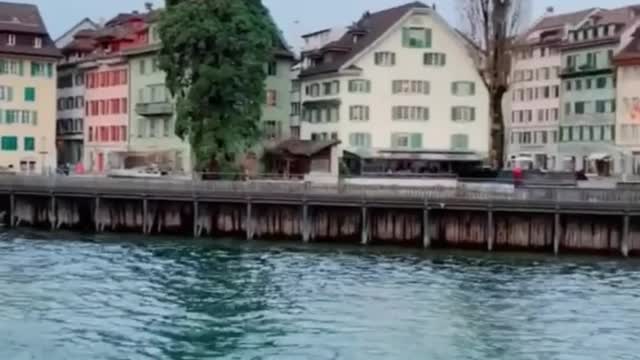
214	54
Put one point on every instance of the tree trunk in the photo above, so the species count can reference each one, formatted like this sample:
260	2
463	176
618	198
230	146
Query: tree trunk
497	155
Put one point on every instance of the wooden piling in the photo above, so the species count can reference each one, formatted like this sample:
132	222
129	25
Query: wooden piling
625	236
426	228
557	234
96	214
250	223
145	217
196	219
306	225
365	226
490	231
12	210
52	213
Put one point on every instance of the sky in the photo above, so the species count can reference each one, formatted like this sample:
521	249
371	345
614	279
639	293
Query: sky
294	17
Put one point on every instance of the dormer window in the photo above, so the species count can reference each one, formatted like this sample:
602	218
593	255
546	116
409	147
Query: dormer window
605	31
37	42
11	41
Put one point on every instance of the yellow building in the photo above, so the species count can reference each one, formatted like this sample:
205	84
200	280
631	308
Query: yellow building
27	91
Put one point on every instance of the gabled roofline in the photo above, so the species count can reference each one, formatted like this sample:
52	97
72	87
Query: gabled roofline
75	27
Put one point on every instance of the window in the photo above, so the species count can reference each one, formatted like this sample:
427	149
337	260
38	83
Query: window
29	144
272	68
29	94
463	88
567	108
579	107
359	113
410	87
411	113
406	140
331	87
295	109
143	66
166	127
568	85
578	85
359	86
9	143
601	106
314	90
6	93
385	58
90	133
155	65
435	59
601	82
272	98
361	140
459	142
38	69
588	83
11	40
37	42
464	113
272	129
416	38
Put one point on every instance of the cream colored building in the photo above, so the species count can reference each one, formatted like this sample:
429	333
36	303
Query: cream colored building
400	79
27	91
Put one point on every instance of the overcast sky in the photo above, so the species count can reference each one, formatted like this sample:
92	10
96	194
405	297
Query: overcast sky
294	17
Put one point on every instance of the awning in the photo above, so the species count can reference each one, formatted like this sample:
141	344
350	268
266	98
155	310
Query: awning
599	157
370	154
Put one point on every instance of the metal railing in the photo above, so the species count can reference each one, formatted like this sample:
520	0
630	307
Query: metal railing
291	189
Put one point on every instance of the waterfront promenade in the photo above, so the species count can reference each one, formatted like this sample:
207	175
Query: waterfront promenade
547	219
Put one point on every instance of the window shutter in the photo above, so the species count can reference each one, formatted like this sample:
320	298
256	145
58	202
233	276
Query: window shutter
454	88
368	85
427	38
9	93
473	114
366	113
416	141
394	140
444	59
352	139
3	66
405	37
473	88
50	70
453	114
34	118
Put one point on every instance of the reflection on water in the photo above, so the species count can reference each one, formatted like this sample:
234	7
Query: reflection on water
111	298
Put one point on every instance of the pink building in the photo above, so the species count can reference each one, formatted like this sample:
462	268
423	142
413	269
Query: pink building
106	131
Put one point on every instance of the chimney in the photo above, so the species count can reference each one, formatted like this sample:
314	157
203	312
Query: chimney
149	6
550	10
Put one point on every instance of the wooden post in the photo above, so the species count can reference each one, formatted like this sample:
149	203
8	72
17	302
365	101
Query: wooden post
625	236
306	226
12	210
557	234
145	214
250	224
52	213
96	214
365	227
426	228
490	230
196	219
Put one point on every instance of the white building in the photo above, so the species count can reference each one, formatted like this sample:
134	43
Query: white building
533	112
398	80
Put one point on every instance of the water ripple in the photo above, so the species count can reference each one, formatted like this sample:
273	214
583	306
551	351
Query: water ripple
65	297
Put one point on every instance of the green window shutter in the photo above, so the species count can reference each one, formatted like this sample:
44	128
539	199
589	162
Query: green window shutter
3	66
33	69
454	88
21	67
473	88
34	118
416	141
405	37
9	143
29	94
29	144
427	38
49	70
453	114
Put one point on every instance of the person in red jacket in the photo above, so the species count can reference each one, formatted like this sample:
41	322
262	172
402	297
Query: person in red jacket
517	176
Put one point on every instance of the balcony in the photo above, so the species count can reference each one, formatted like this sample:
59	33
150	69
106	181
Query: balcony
161	108
584	70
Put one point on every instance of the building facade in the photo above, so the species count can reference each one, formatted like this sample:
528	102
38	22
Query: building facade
398	79
71	93
27	91
532	119
107	100
152	112
588	98
277	109
628	106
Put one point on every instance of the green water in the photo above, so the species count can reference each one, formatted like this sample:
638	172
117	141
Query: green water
65	297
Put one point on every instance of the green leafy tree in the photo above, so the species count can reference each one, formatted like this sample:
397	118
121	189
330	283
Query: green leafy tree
214	54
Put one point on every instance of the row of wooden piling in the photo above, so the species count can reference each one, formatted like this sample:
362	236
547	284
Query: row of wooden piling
429	228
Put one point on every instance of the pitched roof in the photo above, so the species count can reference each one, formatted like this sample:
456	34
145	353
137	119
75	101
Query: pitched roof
21	18
551	22
76	26
25	19
624	17
306	148
631	51
371	27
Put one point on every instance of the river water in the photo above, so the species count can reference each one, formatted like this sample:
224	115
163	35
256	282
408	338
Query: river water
67	297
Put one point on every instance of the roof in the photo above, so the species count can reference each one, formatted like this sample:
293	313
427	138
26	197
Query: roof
371	26
625	17
550	22
76	26
301	147
631	51
25	19
21	18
